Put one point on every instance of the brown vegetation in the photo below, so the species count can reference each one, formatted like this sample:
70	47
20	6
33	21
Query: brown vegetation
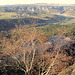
27	49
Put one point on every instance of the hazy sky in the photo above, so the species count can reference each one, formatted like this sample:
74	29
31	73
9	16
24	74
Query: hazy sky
10	2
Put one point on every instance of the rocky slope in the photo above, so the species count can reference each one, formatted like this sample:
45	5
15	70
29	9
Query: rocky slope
66	10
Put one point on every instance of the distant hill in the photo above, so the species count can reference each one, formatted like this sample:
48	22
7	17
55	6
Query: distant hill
66	10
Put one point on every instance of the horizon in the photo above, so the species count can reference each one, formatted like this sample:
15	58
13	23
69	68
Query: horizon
36	4
20	2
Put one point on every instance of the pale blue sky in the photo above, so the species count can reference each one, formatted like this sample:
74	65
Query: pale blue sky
11	2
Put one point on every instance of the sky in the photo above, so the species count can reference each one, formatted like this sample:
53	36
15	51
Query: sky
11	2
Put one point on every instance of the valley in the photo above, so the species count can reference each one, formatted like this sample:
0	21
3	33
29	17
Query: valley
37	39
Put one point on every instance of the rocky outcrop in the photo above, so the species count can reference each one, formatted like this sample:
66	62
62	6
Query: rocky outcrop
68	71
